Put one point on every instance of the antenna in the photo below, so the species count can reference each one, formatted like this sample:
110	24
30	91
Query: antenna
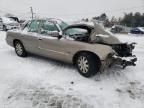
32	12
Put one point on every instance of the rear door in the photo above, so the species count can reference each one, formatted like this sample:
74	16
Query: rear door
30	36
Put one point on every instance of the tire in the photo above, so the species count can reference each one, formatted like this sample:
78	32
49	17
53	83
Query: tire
19	49
87	64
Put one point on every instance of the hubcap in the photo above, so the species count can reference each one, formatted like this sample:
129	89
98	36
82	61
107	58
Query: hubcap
83	64
19	49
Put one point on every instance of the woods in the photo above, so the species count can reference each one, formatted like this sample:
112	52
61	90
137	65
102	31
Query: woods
133	20
129	20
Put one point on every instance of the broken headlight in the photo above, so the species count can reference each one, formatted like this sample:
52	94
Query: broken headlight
124	50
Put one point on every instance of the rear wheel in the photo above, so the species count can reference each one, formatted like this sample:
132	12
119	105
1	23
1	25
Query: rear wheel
19	49
87	64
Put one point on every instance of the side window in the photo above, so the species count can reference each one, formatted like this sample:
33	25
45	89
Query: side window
48	27
32	26
73	31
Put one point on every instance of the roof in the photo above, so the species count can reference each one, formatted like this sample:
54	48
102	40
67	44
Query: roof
55	20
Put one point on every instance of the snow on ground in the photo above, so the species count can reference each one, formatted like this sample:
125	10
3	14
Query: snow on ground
37	82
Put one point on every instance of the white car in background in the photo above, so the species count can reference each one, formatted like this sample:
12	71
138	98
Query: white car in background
8	24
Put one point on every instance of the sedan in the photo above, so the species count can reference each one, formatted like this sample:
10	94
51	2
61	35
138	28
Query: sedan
88	46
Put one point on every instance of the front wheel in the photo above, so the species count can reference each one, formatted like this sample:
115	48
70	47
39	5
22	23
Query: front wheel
19	49
88	65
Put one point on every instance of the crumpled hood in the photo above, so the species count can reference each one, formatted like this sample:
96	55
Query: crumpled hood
100	35
109	39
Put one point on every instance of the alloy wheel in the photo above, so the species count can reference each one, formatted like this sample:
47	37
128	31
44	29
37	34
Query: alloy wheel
83	64
19	48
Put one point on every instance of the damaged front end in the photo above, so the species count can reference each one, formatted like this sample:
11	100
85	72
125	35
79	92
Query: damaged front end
122	55
122	52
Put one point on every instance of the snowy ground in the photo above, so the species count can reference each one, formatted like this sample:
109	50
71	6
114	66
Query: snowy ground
37	82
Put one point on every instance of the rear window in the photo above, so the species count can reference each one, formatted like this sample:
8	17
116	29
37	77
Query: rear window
32	26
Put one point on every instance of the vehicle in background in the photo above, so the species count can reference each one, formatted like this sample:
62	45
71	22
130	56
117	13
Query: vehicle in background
15	19
120	29
89	47
8	24
137	30
1	24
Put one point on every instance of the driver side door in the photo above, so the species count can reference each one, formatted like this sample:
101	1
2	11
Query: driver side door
49	44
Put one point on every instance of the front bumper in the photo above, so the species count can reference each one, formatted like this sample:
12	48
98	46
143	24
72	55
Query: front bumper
124	62
122	56
119	61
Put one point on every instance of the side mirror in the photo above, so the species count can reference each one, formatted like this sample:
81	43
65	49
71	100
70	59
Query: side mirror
51	33
55	34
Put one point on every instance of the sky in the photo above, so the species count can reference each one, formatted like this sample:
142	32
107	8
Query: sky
71	8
